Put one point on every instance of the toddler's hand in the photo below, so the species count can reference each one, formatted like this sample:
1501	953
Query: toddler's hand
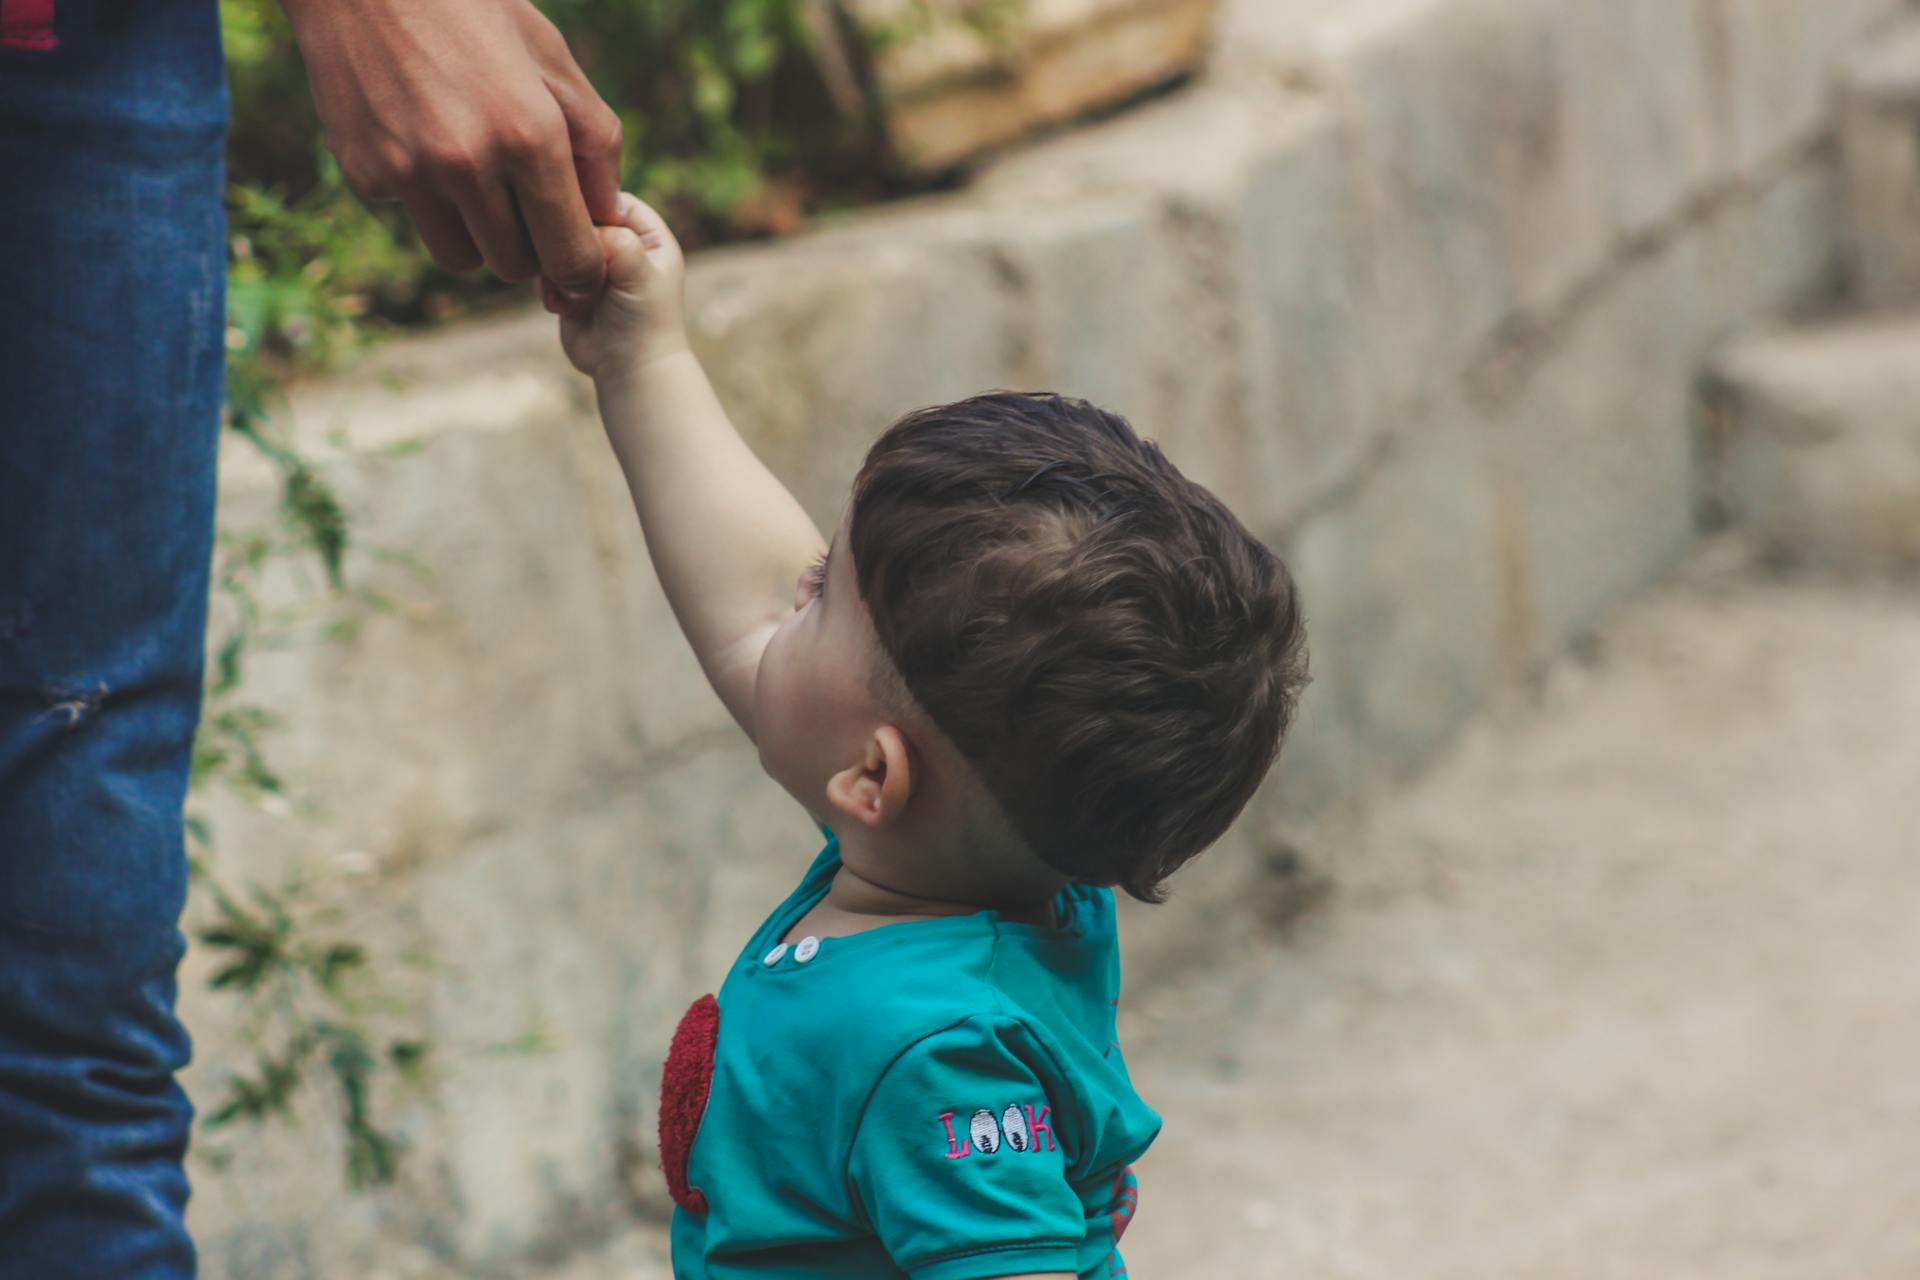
639	315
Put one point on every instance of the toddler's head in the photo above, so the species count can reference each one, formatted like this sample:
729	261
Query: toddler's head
1038	626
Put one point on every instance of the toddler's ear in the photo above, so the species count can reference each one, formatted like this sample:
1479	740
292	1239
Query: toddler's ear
875	791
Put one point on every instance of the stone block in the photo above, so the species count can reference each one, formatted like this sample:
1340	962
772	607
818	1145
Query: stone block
1774	63
1615	143
1479	195
1880	150
817	346
1276	320
1278	37
1193	145
1402	590
1776	249
1816	441
1212	269
499	669
1593	423
1591	443
1637	91
1318	319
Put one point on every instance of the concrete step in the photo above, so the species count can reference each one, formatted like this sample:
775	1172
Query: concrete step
1880	144
1814	441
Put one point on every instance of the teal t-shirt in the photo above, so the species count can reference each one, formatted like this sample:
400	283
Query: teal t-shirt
942	1099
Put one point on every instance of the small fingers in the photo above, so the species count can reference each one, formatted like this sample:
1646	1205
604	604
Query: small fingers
645	221
625	254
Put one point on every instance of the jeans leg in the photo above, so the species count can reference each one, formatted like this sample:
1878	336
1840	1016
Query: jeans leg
112	311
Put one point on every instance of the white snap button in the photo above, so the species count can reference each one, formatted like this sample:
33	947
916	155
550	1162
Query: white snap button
809	948
773	956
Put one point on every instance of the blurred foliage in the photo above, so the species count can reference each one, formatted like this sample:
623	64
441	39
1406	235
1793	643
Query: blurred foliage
728	131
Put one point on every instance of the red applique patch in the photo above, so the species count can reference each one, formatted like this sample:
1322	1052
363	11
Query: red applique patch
684	1085
27	24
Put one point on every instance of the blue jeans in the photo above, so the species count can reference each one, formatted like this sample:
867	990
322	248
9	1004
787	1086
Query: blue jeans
112	311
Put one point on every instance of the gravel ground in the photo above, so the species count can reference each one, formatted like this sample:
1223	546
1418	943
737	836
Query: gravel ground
1629	985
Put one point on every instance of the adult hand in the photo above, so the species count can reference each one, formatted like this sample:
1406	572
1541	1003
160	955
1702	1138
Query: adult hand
474	114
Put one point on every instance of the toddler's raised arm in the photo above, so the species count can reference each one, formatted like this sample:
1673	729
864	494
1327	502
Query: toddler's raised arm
726	537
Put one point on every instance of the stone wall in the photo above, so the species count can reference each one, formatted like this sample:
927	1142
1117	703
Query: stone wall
1419	287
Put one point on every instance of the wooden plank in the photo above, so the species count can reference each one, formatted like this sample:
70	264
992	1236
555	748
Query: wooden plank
955	78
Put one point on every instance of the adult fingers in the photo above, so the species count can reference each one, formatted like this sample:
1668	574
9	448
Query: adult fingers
594	131
596	135
547	186
442	230
493	220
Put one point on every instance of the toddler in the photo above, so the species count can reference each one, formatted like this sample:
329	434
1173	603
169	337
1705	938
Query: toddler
1032	662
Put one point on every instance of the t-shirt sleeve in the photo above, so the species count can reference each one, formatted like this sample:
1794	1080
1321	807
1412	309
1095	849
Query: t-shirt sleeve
957	1163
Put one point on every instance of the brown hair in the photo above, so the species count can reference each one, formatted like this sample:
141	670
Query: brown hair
1107	645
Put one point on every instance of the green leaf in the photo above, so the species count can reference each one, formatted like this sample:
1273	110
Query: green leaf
314	508
245	974
226	664
408	1055
198	829
207	761
339	958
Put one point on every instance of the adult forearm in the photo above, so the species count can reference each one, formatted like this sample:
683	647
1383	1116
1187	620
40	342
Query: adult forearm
726	537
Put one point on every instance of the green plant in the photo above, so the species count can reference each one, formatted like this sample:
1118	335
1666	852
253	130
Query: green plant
307	280
297	977
718	99
303	1013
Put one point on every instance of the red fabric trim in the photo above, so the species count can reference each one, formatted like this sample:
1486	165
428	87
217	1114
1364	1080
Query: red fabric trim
27	24
1126	1202
684	1084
